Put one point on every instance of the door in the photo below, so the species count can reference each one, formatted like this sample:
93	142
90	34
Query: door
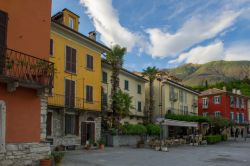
2	125
49	124
87	132
3	37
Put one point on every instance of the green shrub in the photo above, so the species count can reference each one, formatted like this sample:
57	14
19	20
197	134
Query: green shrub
153	129
212	139
136	129
189	118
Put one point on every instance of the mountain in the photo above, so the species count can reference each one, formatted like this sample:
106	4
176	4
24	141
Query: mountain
211	72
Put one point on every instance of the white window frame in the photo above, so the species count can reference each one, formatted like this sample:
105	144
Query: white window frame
2	125
205	102
217	99
217	114
71	22
232	116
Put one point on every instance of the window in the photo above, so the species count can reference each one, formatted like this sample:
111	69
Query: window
51	47
217	99
3	29
104	77
71	124
139	89
185	110
205	114
90	62
185	97
204	102
238	117
49	124
242	118
231	101
126	85
242	103
232	116
2	125
71	22
105	99
237	102
139	106
89	93
181	96
69	93
217	114
70	59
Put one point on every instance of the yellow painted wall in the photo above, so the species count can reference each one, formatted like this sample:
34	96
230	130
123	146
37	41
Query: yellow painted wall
133	82
66	15
166	102
83	76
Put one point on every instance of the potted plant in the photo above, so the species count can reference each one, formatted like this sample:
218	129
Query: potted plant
58	156
46	161
101	143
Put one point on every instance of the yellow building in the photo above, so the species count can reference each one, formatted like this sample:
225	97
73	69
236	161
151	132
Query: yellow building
75	101
172	97
130	83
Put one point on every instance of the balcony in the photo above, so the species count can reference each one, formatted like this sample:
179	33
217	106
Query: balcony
173	96
25	70
62	101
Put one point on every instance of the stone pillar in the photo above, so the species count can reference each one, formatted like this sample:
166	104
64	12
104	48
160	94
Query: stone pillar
98	121
43	94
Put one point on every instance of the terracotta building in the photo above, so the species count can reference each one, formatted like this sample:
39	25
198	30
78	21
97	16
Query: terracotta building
221	103
25	77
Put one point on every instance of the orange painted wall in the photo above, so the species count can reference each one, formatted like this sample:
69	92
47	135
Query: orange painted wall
23	114
29	32
28	26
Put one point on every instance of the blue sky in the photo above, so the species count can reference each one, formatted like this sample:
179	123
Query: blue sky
167	33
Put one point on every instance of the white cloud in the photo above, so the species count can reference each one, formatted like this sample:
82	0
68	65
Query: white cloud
106	22
214	51
193	31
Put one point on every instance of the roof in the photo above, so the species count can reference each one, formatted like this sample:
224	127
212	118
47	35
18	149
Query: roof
65	9
181	86
215	91
126	71
80	34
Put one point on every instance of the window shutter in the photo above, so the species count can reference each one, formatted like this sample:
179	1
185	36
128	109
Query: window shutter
51	48
3	28
68	58
91	93
73	61
92	62
72	92
67	93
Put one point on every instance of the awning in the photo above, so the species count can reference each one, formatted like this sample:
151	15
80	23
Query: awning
170	122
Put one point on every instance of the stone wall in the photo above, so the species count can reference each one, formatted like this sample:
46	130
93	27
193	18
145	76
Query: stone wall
43	101
24	154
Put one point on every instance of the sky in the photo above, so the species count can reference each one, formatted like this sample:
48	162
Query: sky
167	33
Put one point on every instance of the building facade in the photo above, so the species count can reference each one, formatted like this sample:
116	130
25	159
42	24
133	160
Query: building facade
172	97
75	101
130	83
221	103
25	77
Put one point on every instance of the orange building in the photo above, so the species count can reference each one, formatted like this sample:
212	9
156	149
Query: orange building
25	77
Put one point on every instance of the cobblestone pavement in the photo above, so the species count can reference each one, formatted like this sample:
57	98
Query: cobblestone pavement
231	153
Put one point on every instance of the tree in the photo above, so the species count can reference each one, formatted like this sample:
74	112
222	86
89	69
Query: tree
122	105
151	74
115	58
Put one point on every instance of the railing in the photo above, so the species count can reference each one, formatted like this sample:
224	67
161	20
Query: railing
180	112
173	96
26	69
58	100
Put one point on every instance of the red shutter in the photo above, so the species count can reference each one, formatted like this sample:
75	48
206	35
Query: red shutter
73	61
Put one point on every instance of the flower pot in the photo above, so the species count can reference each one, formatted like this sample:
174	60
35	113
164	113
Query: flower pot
45	162
101	146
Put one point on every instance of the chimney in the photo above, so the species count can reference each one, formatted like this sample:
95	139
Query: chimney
92	35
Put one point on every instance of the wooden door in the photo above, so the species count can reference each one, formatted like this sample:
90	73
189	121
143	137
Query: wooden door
83	133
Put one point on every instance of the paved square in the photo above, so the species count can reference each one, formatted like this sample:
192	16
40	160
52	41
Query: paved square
223	154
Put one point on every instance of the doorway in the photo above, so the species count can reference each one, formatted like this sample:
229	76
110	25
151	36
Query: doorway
88	131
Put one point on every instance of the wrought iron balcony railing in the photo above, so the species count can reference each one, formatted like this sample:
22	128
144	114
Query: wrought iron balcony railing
27	70
57	100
